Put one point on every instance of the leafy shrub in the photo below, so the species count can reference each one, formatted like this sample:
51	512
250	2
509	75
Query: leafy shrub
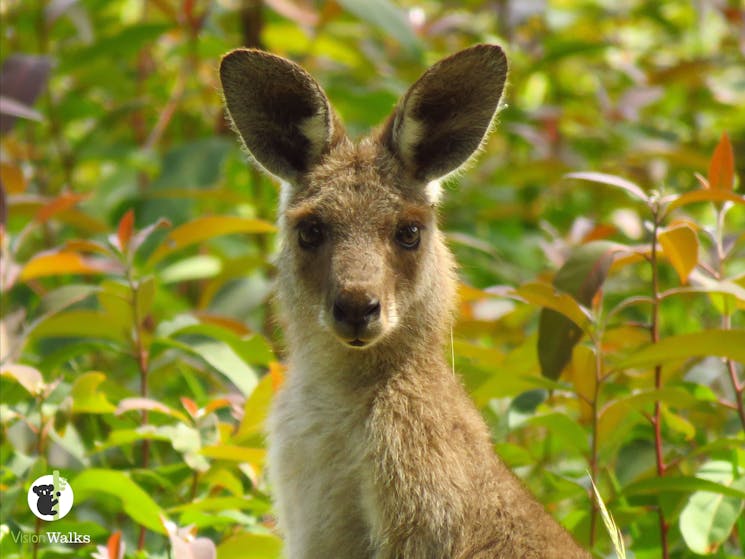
600	242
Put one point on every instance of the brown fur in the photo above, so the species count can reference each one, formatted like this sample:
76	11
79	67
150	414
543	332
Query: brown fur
376	451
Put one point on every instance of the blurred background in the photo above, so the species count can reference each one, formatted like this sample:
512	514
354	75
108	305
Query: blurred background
138	347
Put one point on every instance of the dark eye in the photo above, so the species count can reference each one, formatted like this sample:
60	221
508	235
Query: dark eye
310	235
408	236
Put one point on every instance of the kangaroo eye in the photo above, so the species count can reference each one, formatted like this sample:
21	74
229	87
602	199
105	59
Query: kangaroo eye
408	236
310	235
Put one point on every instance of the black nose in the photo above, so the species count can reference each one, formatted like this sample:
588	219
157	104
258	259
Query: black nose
356	310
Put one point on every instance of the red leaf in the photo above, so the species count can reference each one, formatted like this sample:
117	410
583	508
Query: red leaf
124	231
722	166
190	406
114	545
64	201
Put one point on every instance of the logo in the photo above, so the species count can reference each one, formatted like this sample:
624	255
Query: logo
50	497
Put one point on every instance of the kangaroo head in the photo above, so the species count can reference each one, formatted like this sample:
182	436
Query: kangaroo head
362	259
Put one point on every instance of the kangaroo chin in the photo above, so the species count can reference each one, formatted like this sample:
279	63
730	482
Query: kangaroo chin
375	449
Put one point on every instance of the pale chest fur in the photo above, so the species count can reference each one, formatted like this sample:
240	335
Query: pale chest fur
318	468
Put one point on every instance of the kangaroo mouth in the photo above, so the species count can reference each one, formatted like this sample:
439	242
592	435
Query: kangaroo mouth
357	343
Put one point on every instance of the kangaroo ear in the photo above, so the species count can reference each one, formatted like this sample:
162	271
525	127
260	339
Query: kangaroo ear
447	113
280	112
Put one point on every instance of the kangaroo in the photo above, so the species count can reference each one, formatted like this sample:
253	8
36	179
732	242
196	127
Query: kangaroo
375	449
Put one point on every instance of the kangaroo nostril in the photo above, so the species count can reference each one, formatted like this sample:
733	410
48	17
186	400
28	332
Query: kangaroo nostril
372	311
340	313
356	310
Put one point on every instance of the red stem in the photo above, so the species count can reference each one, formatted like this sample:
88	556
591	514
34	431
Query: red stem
657	420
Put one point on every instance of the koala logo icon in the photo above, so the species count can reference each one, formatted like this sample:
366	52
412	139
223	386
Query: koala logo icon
46	502
50	497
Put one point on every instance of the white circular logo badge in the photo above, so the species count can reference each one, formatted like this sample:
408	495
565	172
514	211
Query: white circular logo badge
50	497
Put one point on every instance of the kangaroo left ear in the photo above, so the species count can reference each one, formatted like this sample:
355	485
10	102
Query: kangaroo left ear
280	112
446	115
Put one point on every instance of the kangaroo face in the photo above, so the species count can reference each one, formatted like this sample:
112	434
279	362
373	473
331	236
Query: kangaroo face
361	256
358	241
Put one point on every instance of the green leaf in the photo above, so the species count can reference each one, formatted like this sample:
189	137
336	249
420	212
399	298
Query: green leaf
125	437
145	296
217	504
622	409
62	297
135	501
611	180
680	484
387	17
86	398
116	46
139	404
83	323
572	435
719	343
581	277
253	349
708	518
222	357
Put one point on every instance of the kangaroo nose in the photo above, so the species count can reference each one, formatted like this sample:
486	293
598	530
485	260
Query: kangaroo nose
356	310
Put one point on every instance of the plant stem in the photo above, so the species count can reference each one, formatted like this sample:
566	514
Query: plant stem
657	418
739	387
142	358
594	449
39	451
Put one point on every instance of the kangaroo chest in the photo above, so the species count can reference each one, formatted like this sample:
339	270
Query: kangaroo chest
319	470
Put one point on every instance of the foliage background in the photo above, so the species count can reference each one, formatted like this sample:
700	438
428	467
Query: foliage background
138	349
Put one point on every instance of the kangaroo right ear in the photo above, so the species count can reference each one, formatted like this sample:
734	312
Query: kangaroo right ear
443	118
281	114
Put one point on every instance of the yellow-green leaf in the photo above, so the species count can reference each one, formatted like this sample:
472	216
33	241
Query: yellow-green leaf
680	245
546	295
12	178
583	376
86	398
84	323
627	409
717	343
208	227
250	546
705	196
129	404
678	423
254	456
256	409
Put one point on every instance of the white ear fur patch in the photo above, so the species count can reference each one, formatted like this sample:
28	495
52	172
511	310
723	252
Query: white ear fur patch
318	129
433	190
408	132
